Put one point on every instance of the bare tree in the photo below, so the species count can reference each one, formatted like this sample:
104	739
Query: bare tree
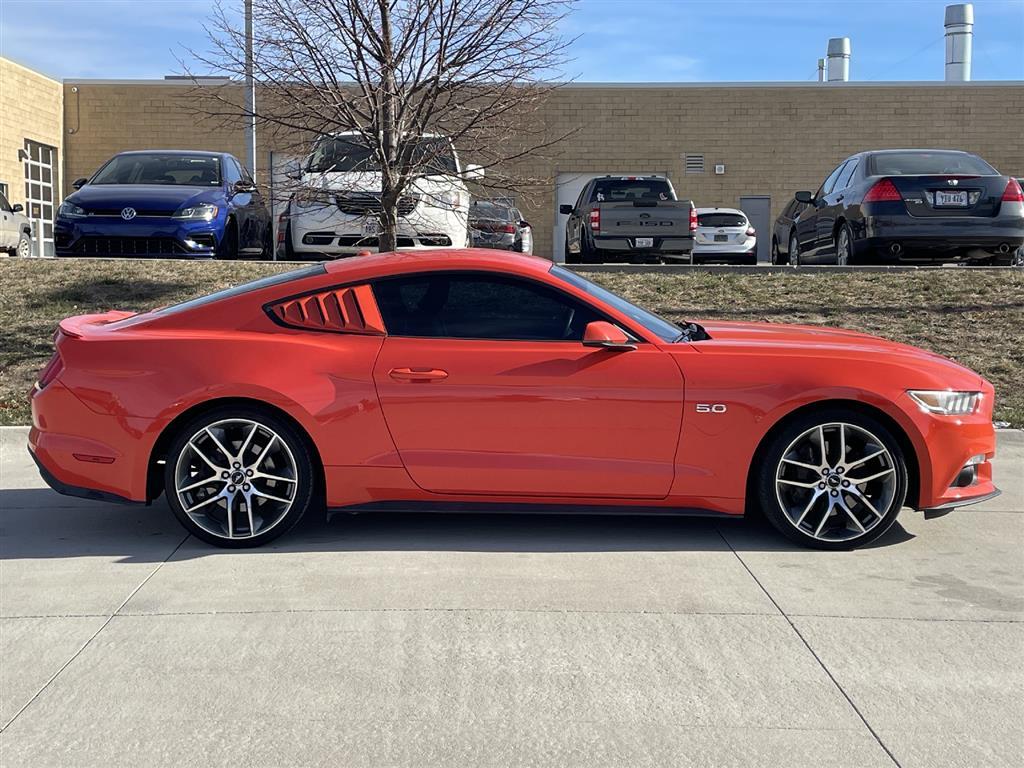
398	74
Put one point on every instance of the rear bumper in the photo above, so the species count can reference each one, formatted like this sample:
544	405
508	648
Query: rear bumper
628	245
960	237
77	491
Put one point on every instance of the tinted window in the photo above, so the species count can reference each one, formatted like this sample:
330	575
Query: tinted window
232	171
830	182
844	178
353	154
255	285
466	306
4	205
659	326
927	163
155	168
721	220
611	190
486	210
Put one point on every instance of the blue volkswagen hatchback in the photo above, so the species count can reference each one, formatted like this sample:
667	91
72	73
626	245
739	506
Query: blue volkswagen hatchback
165	204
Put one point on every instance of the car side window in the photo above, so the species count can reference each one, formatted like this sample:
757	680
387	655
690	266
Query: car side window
232	172
830	182
4	205
584	195
844	178
479	306
246	176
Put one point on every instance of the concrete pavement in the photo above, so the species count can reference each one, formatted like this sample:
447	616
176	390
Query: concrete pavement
458	640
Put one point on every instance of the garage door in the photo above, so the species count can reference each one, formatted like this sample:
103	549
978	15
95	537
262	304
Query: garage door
567	189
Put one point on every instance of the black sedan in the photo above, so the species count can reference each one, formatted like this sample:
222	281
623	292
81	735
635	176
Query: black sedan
907	205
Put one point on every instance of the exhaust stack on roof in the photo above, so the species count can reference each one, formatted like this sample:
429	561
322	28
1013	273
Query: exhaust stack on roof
839	59
821	70
959	42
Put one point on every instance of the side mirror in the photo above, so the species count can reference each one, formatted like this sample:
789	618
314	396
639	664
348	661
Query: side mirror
17	208
565	209
804	197
79	183
241	187
524	223
473	171
603	334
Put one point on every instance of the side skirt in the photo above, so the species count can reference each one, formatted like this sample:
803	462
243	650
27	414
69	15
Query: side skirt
525	508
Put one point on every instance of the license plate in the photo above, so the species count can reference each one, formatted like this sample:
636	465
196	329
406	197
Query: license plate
645	242
371	228
721	238
950	199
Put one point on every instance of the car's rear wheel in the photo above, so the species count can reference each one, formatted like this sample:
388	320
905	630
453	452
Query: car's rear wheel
238	477
833	479
794	250
24	249
844	245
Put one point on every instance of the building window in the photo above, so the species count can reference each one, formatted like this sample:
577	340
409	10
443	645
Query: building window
693	163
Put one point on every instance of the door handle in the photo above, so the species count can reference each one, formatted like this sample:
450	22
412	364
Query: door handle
418	374
839	199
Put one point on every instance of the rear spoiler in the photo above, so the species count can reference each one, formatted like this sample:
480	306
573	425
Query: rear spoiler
79	325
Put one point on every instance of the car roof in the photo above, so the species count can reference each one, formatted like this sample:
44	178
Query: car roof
914	149
199	152
405	262
720	210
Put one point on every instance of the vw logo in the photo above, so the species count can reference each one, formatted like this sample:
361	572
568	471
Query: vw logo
952	182
128	214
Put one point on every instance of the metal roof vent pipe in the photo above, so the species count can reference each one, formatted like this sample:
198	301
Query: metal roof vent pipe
959	42
839	59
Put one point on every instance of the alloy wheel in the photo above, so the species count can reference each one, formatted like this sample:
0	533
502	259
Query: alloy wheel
843	248
836	482
236	479
794	250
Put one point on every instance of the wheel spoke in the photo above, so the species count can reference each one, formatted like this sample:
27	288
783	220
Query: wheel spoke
866	458
245	445
801	464
207	481
203	456
227	454
842	443
861	481
277	478
263	454
861	497
853	517
814	498
824	517
270	496
821	440
231	518
799	484
203	503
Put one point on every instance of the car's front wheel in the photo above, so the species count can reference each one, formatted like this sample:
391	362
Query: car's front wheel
24	248
833	479
238	477
794	250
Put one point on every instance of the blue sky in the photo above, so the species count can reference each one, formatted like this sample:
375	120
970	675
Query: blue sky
620	40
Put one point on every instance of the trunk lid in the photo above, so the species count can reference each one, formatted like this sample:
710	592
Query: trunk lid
645	218
951	195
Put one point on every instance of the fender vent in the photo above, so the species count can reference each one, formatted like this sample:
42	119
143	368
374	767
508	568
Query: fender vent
343	310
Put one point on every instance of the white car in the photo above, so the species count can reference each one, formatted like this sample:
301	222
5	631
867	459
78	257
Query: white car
15	230
724	234
335	210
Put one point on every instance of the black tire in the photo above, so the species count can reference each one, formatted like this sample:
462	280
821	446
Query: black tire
777	257
794	249
294	447
267	254
570	257
227	248
769	497
847	258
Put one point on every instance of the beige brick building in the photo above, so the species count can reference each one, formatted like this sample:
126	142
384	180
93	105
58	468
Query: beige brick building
769	139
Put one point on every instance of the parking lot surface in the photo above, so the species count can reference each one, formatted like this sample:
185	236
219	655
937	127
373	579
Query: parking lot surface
460	640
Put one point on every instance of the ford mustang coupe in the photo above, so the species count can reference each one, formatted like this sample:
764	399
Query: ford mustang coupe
479	380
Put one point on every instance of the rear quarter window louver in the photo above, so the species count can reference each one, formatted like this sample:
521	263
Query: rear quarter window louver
341	310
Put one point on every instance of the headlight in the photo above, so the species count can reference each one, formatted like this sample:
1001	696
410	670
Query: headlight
448	200
204	212
946	402
71	211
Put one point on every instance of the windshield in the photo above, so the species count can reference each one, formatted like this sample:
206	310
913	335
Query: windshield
611	190
928	163
431	155
721	220
485	210
173	170
659	326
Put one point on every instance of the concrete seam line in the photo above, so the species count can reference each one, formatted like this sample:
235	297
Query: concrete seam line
92	637
817	658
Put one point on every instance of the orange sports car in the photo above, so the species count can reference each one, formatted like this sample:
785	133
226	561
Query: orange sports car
479	380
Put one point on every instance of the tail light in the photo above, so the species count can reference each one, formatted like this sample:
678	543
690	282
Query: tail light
751	231
693	219
1013	193
884	191
282	223
50	372
508	229
595	219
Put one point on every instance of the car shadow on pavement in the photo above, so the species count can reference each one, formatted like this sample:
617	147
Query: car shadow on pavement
38	523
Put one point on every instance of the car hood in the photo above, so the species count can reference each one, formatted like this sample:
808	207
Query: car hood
369	182
163	198
823	342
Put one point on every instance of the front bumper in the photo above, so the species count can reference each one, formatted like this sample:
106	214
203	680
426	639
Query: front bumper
323	229
143	237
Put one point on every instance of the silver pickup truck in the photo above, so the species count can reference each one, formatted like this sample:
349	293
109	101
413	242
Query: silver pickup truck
629	218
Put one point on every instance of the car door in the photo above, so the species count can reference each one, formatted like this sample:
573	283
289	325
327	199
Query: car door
574	226
487	388
832	207
808	226
259	216
8	224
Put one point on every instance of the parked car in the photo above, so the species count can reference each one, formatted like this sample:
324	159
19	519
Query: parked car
500	226
781	230
910	205
480	380
628	218
15	229
1019	260
166	204
724	234
336	210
